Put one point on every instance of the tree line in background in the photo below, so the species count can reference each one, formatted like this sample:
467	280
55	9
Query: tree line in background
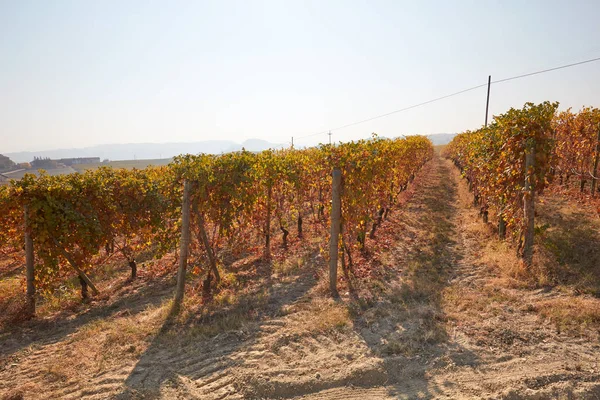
235	200
511	161
6	164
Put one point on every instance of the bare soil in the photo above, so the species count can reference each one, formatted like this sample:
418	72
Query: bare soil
441	314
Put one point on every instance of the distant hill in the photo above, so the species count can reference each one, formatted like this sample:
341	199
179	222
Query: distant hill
255	145
154	151
6	164
441	138
132	151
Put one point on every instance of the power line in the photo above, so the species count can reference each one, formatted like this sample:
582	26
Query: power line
546	70
410	107
393	112
312	134
281	146
450	95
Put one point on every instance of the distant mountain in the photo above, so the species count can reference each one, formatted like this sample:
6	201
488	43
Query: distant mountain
257	145
142	151
441	138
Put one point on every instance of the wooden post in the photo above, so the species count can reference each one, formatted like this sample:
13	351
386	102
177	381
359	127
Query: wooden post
336	213
501	227
82	275
596	159
84	288
183	244
212	259
268	224
29	265
377	222
133	266
487	103
528	205
299	225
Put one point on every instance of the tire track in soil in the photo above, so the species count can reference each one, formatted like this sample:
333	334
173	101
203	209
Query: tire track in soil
506	353
204	369
277	361
409	336
386	353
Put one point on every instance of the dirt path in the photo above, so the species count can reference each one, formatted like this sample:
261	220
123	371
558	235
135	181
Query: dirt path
434	322
414	339
496	346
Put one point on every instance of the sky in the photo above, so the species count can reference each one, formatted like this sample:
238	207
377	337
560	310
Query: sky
80	73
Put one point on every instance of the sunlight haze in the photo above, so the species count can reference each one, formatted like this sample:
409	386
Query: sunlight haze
82	73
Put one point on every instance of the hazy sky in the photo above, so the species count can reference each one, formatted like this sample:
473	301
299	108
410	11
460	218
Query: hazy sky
78	73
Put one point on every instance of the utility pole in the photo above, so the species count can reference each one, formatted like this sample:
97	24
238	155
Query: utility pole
292	142
487	103
329	137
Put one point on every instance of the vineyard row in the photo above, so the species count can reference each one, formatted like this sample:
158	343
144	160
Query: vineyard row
510	162
235	201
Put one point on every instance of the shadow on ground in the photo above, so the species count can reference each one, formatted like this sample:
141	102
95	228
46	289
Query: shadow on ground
406	325
141	295
193	357
572	236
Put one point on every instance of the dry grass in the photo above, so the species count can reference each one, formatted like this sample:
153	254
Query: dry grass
416	328
64	298
568	238
315	316
566	260
566	256
236	319
321	315
571	313
98	346
499	257
398	305
12	290
12	301
289	266
468	303
104	342
409	293
231	309
20	392
9	287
